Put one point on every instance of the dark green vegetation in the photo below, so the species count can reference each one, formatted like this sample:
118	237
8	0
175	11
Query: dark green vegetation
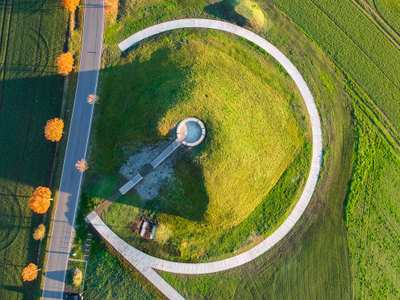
253	134
32	35
69	280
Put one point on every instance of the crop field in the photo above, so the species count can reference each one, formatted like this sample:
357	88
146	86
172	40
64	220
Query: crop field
356	44
229	175
373	213
389	10
32	35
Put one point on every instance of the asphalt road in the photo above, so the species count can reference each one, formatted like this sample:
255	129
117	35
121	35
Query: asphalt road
78	137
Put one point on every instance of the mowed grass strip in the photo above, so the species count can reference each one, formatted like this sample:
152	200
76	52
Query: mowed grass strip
253	132
33	35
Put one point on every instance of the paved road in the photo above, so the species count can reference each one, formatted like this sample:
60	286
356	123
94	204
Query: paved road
145	263
69	191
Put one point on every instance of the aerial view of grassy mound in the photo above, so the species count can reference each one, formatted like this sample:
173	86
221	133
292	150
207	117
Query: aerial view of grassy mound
256	126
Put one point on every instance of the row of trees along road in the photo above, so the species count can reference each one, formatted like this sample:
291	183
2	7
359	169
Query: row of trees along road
53	131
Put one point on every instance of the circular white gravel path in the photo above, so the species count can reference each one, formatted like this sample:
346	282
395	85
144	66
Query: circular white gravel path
144	262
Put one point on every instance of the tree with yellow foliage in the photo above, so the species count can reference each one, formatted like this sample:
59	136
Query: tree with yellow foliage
40	200
30	272
70	4
111	9
82	165
65	63
54	129
39	233
92	99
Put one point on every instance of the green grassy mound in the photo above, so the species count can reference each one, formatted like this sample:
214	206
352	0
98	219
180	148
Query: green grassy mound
255	129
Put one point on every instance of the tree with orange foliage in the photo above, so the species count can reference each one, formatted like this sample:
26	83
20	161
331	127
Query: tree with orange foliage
92	99
111	9
82	165
40	200
54	129
70	4
30	272
65	63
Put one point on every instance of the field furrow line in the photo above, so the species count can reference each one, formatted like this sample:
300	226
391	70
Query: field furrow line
375	11
371	16
1	44
358	46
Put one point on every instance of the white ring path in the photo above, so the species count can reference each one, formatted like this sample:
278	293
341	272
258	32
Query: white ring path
144	262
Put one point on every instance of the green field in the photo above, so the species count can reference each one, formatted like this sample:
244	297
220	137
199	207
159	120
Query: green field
371	209
32	36
373	213
389	10
358	46
256	125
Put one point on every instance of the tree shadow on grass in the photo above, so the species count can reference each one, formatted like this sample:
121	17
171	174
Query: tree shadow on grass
129	116
185	195
225	10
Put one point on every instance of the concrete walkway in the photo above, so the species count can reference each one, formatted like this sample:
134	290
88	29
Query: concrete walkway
143	261
167	152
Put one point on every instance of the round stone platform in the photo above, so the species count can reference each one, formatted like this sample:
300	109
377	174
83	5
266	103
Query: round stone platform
190	132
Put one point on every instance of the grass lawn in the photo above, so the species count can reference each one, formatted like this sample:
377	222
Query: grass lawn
109	277
256	125
32	36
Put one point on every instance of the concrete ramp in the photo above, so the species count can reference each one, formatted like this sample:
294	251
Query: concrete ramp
130	184
167	152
